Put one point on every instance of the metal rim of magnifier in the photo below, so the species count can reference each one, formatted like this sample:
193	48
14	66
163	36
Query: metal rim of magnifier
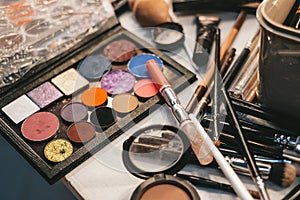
178	165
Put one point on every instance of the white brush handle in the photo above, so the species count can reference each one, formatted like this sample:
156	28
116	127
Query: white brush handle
230	174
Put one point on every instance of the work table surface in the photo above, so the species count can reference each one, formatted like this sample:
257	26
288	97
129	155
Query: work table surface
103	175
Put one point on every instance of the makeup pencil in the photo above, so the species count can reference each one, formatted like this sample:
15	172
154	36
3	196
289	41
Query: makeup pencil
201	103
210	71
247	80
234	69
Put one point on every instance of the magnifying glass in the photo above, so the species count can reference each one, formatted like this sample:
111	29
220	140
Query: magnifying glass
156	153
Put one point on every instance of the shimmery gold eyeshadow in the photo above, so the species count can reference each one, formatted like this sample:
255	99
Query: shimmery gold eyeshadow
58	150
70	81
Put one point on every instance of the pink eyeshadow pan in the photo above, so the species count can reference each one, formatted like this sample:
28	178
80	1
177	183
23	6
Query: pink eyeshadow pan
40	126
44	94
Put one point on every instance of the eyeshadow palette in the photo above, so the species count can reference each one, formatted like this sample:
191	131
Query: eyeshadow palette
58	117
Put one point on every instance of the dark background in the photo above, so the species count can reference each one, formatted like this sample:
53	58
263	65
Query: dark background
18	180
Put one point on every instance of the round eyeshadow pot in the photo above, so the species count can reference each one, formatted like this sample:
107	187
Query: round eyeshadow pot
58	150
74	112
118	82
93	67
124	103
137	64
81	132
40	126
120	51
103	117
144	89
94	97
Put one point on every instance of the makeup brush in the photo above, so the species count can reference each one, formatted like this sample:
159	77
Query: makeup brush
282	174
210	71
294	194
201	144
199	147
243	144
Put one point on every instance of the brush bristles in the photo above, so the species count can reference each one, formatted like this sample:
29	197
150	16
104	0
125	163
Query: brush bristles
282	174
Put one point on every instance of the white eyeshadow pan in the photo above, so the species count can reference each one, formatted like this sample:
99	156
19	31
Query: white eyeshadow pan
20	109
70	81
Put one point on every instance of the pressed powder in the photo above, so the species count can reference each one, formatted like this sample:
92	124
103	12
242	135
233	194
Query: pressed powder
165	192
118	82
119	51
81	132
93	97
145	88
74	112
125	103
40	126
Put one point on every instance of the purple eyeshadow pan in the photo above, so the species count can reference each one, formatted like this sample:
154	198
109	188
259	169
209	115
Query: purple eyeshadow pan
117	82
44	94
74	112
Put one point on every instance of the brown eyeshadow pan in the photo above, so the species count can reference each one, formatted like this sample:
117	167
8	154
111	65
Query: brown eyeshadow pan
120	51
81	132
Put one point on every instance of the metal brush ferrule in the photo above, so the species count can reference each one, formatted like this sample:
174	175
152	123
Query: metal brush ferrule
240	166
177	109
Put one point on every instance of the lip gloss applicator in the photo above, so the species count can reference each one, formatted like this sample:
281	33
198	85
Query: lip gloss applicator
201	144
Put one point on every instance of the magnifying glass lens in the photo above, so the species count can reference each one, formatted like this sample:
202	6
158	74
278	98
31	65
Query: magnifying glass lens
156	150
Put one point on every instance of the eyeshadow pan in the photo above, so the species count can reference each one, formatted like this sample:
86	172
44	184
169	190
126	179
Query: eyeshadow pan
119	51
124	103
94	66
70	81
137	64
20	109
145	88
40	126
103	117
81	132
74	112
44	94
93	97
118	82
58	150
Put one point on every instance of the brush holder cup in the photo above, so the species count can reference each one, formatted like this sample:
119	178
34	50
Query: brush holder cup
279	59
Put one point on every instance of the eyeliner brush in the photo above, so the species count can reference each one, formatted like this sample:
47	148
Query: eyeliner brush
244	147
